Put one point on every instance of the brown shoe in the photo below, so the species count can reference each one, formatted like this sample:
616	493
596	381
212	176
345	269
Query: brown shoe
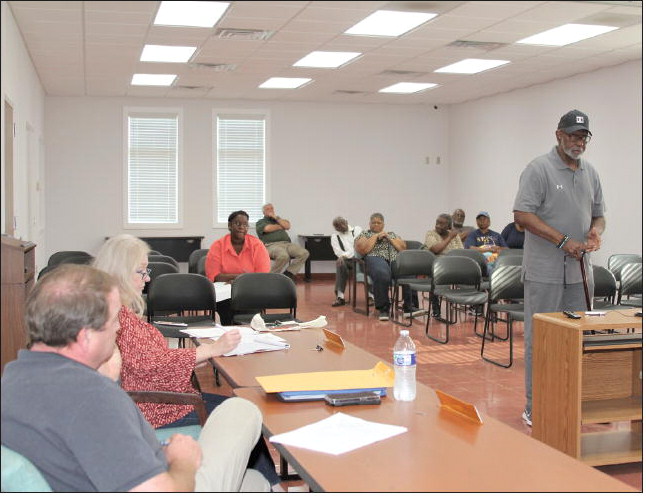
339	302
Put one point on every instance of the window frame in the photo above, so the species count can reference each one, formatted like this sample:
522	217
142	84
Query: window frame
153	112
235	112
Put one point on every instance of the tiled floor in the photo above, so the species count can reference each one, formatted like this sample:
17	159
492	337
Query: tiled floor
455	367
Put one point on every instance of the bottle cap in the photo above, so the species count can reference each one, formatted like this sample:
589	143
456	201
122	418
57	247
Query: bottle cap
403	332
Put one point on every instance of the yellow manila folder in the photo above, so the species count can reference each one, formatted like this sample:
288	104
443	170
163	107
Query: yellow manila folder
380	376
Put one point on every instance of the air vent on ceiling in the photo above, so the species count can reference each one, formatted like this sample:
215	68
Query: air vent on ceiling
212	67
242	34
480	45
350	92
193	88
393	72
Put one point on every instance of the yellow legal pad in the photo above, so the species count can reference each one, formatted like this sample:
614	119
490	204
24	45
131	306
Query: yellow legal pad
380	376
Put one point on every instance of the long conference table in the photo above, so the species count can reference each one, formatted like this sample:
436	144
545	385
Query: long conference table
440	451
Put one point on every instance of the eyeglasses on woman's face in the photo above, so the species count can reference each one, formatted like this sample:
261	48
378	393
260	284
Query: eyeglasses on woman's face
144	272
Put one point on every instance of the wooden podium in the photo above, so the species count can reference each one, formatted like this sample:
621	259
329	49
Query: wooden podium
581	380
18	274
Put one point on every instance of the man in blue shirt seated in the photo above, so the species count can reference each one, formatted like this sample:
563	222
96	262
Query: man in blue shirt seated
484	239
488	242
81	430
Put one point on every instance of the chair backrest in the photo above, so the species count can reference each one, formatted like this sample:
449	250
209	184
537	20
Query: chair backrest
413	262
508	260
506	283
181	292
605	284
163	258
62	256
413	245
618	260
157	269
19	475
515	252
201	266
194	258
474	255
631	279
263	290
456	270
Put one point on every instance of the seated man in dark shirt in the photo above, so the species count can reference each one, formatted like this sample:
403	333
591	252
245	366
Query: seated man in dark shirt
272	230
81	430
514	235
488	242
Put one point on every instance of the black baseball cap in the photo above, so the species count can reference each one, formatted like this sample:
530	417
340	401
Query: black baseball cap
574	120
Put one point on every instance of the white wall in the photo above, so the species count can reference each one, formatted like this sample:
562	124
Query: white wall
493	139
21	88
324	160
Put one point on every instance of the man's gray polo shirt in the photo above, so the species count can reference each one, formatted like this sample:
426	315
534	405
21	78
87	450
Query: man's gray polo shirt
564	199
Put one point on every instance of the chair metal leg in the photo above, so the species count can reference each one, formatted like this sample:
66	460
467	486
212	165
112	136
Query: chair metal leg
447	323
395	306
510	335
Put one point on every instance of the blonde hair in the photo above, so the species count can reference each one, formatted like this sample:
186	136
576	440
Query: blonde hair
121	256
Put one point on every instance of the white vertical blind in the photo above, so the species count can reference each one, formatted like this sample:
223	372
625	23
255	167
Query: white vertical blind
240	162
152	169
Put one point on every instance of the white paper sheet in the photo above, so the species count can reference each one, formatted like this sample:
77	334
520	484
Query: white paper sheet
222	291
338	434
214	332
257	343
251	341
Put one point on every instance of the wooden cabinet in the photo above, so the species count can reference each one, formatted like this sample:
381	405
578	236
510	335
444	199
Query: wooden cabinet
18	275
581	382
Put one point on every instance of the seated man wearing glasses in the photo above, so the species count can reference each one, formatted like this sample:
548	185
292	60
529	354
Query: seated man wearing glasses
234	254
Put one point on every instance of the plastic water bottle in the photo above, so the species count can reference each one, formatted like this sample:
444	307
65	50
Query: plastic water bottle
405	359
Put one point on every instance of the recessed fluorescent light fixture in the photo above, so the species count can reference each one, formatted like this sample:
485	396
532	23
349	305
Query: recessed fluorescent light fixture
162	53
472	66
326	59
389	23
193	14
153	79
407	87
566	34
284	83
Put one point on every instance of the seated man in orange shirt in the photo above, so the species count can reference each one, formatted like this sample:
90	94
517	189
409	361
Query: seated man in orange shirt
235	254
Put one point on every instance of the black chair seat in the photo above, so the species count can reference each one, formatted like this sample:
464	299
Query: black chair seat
506	307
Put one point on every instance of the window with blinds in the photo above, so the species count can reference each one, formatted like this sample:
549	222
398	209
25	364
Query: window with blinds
153	169
240	165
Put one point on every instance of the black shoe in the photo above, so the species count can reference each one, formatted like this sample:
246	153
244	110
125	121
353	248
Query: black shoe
383	315
339	302
290	275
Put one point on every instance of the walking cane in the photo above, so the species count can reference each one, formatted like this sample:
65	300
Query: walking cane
585	283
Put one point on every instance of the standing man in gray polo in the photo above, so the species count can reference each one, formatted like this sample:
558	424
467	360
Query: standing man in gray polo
560	204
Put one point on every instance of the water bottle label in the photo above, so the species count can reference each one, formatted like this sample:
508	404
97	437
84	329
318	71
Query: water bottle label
404	359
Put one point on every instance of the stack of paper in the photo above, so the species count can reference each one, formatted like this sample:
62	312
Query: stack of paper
338	434
251	341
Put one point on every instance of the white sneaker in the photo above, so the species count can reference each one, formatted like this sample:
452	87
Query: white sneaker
414	313
527	417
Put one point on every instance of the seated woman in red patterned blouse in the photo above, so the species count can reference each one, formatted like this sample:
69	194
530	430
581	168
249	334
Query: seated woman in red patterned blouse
147	361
